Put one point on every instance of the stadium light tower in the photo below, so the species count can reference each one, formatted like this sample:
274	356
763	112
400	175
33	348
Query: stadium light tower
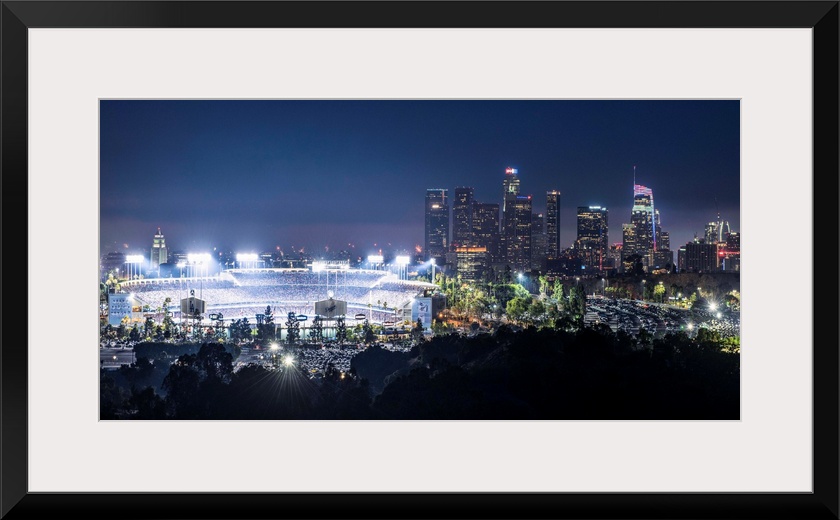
375	260
247	257
136	261
199	259
402	262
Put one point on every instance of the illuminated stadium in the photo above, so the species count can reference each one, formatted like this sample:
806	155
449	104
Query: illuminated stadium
241	293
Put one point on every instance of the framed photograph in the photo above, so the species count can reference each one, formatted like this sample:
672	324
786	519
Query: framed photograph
396	259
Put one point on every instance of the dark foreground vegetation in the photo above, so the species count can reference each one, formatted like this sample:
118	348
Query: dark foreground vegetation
530	374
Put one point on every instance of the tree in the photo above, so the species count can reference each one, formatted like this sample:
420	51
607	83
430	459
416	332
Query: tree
537	310
367	333
576	305
557	293
543	280
340	330
266	329
240	330
659	292
517	308
148	327
134	335
292	328
168	323
417	331
316	332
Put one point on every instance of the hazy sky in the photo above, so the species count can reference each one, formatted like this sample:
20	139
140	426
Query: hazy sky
253	175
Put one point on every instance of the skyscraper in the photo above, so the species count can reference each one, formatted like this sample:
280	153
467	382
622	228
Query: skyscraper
518	232
471	262
642	219
485	228
437	223
462	215
538	241
592	240
510	186
717	231
159	254
552	224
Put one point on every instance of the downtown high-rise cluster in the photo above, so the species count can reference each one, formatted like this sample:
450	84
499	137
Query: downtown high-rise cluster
492	240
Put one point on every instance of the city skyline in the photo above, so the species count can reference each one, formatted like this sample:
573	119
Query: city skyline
331	173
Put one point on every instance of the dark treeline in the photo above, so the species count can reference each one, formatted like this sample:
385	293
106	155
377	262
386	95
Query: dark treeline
530	374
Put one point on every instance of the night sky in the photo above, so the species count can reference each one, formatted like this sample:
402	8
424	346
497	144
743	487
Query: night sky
253	175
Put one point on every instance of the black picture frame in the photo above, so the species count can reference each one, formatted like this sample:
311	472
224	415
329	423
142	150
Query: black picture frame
19	16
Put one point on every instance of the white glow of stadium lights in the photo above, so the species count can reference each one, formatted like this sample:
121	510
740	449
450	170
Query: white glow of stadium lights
273	346
719	315
198	258
690	326
134	262
202	259
402	261
246	257
288	361
712	306
317	267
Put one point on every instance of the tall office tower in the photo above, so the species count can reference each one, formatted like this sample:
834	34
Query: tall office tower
701	257
733	241
729	253
485	228
517	235
471	262
462	215
628	238
510	186
538	241
613	260
663	240
159	254
642	218
717	231
437	224
593	235
552	224
657	230
681	253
